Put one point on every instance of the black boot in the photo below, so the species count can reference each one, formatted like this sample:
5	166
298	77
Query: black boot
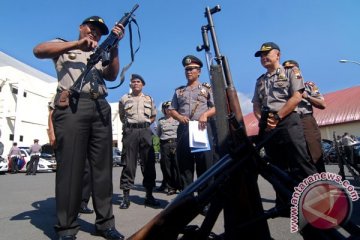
150	200
126	201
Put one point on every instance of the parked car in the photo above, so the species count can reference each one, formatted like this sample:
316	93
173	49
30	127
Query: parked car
23	162
116	157
3	165
330	155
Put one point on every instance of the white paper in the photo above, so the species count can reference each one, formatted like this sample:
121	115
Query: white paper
198	139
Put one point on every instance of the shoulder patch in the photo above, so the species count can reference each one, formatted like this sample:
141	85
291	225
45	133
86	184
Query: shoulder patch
297	72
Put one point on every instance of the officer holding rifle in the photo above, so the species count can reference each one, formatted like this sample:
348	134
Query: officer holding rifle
82	127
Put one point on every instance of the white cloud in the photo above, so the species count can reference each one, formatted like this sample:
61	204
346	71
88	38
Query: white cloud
245	103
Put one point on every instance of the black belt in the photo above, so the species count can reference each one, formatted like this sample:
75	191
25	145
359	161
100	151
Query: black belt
302	115
137	125
170	140
91	96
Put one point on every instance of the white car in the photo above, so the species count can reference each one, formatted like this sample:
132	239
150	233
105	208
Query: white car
43	166
3	165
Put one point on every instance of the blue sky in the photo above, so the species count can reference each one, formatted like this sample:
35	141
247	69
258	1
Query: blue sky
317	33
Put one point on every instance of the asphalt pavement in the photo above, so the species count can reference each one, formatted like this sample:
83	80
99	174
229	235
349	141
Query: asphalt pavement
27	208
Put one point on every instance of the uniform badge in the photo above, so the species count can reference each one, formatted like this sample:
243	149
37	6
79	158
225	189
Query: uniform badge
203	92
282	76
72	56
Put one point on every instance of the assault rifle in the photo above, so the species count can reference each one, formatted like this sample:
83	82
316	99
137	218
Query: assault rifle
102	52
231	183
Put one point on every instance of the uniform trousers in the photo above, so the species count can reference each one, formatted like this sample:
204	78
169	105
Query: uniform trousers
82	131
137	145
287	148
313	140
187	161
86	191
33	164
169	164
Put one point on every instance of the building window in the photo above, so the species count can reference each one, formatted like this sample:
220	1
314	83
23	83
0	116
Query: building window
14	91
21	138
11	138
25	94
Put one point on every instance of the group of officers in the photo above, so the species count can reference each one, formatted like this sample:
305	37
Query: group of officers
82	126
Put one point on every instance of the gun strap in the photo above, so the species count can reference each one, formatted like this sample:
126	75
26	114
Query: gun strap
122	74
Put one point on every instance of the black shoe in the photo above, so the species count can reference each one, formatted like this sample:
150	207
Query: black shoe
34	174
125	204
110	233
27	173
85	210
67	237
151	202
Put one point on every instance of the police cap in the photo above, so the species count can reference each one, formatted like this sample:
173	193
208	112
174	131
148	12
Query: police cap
166	104
137	76
191	61
266	47
290	63
99	22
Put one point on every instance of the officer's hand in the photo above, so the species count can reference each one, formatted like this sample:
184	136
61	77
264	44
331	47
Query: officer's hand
305	95
86	44
202	122
184	119
271	122
119	31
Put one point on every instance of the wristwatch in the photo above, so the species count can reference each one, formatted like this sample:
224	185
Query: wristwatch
277	117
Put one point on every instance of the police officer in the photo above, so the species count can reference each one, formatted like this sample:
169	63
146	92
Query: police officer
14	155
194	101
35	151
82	127
137	111
311	97
167	132
276	96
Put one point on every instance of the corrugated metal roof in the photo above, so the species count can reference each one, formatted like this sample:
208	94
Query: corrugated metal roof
341	106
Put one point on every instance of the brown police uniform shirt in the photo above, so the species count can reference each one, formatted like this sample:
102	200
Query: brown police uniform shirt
192	101
305	107
273	90
167	128
70	65
136	109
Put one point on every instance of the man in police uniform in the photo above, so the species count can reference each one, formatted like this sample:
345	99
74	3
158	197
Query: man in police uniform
192	102
137	111
82	127
167	132
311	97
278	92
35	150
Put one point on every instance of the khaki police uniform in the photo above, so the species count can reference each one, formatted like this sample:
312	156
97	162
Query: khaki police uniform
83	130
167	132
14	155
192	102
311	129
135	114
35	151
287	147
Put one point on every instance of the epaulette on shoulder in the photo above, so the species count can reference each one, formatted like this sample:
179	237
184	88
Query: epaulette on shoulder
181	87
62	39
207	85
260	77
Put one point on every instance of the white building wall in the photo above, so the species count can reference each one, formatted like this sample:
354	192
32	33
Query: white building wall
25	114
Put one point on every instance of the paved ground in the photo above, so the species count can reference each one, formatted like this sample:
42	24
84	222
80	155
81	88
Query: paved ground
27	208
